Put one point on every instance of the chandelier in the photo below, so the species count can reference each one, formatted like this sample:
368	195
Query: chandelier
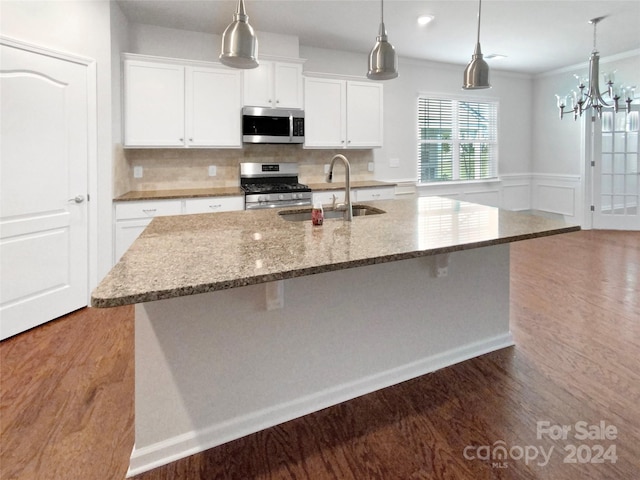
589	96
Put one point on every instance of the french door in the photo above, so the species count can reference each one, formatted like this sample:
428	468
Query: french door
615	143
44	185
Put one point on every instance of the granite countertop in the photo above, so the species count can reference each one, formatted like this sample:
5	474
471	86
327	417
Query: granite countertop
190	254
179	193
231	191
319	187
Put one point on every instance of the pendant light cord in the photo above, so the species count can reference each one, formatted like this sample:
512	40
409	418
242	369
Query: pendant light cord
479	11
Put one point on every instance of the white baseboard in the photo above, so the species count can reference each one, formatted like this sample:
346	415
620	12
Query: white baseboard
196	441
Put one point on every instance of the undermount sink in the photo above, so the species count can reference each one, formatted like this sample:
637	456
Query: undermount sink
302	214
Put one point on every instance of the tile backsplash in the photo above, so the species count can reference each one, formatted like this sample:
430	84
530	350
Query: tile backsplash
166	169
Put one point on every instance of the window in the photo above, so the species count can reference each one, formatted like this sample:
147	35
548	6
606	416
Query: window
457	140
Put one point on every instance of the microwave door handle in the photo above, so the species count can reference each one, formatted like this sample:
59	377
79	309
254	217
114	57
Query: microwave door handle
291	127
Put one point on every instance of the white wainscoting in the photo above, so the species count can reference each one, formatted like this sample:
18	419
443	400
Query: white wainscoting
511	192
561	195
558	194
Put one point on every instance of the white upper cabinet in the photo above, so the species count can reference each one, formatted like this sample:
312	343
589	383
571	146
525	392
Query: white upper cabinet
325	113
181	105
274	85
364	114
342	113
213	106
153	104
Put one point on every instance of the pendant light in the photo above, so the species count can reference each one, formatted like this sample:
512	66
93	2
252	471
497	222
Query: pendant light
239	42
383	63
476	75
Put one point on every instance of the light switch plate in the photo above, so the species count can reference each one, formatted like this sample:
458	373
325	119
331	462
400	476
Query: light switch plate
137	171
371	166
213	171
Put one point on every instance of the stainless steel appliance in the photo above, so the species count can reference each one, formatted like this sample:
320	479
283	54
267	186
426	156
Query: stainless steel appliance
272	125
271	185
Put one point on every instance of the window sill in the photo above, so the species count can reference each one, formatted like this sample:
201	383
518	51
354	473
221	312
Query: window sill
459	182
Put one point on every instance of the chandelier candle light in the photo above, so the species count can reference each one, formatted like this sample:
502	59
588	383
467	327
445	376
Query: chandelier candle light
590	96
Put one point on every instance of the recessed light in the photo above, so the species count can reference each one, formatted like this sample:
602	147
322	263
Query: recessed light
495	56
424	19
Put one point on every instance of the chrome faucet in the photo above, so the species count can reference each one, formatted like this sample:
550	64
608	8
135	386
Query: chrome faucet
346	206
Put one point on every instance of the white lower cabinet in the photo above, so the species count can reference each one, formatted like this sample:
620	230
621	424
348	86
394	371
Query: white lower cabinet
213	204
376	193
326	197
131	218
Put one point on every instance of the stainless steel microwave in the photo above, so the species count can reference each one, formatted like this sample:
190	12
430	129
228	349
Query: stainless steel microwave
272	125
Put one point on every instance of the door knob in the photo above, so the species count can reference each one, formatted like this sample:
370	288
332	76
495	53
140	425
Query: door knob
77	199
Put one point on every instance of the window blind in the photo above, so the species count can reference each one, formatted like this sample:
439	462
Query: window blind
457	140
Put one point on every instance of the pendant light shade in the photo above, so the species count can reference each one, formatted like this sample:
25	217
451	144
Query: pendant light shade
383	62
476	75
239	42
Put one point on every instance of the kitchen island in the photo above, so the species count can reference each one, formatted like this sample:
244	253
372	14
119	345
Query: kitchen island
245	320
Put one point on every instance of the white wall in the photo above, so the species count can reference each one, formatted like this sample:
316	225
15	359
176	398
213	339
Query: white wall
80	28
558	146
173	43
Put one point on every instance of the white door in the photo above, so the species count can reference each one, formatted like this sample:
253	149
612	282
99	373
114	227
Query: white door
616	171
43	194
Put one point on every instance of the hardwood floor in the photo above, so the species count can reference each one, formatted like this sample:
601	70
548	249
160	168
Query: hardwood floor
66	398
576	321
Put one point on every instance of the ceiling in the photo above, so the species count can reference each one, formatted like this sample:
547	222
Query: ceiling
536	35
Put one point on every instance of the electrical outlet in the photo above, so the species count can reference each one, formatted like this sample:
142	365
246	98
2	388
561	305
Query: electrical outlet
213	171
371	166
137	171
394	162
326	168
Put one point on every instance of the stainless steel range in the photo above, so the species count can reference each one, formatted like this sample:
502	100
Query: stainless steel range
271	185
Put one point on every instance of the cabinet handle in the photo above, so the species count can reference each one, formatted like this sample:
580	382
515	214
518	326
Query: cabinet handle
218	205
191	139
277	101
149	210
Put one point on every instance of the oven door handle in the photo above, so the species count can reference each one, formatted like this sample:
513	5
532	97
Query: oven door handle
264	205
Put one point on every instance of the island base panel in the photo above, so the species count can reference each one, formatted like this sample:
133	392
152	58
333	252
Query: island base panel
214	367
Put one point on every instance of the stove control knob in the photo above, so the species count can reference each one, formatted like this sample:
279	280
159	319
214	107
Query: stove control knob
261	198
280	197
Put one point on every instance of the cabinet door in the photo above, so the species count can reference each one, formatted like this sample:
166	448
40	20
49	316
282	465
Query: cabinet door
147	209
258	86
376	193
325	103
213	204
288	85
326	197
154	104
126	232
213	107
364	114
